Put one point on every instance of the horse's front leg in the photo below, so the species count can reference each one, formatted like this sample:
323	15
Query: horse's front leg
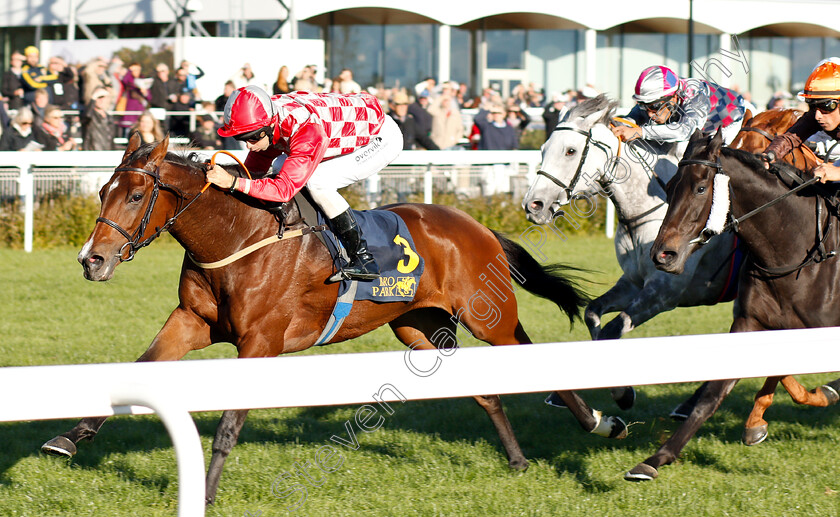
660	294
182	332
230	425
755	430
712	396
617	297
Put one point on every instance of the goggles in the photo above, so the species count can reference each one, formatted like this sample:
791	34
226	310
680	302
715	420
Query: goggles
252	136
655	106
823	105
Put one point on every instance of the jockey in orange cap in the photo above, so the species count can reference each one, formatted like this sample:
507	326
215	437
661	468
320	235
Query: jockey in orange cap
822	93
323	141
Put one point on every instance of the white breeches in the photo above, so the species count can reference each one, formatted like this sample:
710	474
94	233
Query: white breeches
731	131
341	171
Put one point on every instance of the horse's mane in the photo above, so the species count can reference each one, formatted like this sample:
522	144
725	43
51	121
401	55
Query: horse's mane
755	162
589	106
186	157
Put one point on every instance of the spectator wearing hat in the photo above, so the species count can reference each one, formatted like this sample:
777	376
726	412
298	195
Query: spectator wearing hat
97	124
164	88
496	133
419	109
12	85
447	127
95	75
35	77
554	112
205	136
412	136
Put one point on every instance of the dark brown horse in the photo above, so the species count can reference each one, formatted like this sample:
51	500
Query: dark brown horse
755	136
153	191
790	281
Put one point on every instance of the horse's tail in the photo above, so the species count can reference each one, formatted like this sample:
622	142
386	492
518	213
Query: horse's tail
550	281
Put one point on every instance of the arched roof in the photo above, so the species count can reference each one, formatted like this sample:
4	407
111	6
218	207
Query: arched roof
756	17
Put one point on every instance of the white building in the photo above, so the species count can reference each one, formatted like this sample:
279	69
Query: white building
556	45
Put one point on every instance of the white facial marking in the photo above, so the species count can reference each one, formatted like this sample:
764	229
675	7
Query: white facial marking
114	185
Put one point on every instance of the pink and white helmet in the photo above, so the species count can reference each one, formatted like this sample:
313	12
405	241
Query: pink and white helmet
656	82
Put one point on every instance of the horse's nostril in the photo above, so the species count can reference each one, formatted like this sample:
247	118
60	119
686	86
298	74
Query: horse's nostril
95	260
666	256
536	206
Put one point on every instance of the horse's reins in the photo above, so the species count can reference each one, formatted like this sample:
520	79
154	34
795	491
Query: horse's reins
816	254
133	239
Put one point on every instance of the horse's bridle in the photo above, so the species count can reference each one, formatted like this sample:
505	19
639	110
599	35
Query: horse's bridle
133	239
815	255
569	189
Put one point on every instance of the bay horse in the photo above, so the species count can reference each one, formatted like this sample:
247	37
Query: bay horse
153	190
757	133
791	241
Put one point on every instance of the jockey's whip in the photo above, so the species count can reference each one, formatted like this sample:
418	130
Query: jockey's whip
213	164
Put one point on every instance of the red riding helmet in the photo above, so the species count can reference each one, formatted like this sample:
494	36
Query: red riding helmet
248	109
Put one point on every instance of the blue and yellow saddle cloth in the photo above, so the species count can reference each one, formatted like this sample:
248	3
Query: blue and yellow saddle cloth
390	243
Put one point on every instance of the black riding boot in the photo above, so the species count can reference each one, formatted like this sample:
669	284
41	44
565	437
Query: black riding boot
362	265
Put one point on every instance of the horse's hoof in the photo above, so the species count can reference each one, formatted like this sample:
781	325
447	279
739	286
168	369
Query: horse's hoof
59	446
553	399
641	472
681	412
619	431
625	397
754	435
830	394
519	465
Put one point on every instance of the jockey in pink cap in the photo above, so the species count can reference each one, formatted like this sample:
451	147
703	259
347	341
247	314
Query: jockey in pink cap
670	109
323	141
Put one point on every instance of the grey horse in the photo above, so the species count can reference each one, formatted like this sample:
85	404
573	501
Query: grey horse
584	163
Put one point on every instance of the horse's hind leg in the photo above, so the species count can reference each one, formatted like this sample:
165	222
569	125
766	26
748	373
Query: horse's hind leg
820	397
182	332
755	430
416	329
227	434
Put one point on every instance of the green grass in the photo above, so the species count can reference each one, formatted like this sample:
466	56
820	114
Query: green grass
429	458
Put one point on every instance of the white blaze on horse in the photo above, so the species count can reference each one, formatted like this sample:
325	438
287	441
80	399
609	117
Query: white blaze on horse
583	159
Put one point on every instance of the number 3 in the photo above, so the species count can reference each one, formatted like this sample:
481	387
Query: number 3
413	261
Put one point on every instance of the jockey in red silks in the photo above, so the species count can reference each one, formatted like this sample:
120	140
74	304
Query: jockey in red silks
669	108
323	141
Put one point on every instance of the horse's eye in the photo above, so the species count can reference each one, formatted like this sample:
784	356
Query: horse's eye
571	151
701	189
136	197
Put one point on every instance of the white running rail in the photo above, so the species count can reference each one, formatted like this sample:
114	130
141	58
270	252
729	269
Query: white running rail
172	389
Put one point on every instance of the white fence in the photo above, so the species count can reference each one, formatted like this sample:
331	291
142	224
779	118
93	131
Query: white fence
172	389
463	173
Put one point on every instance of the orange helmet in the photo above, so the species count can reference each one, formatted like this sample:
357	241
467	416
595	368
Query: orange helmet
824	81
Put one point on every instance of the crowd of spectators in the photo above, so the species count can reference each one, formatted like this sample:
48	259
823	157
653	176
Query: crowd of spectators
107	100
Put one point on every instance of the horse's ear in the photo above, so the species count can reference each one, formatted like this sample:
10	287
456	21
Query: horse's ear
159	153
134	142
697	135
716	144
